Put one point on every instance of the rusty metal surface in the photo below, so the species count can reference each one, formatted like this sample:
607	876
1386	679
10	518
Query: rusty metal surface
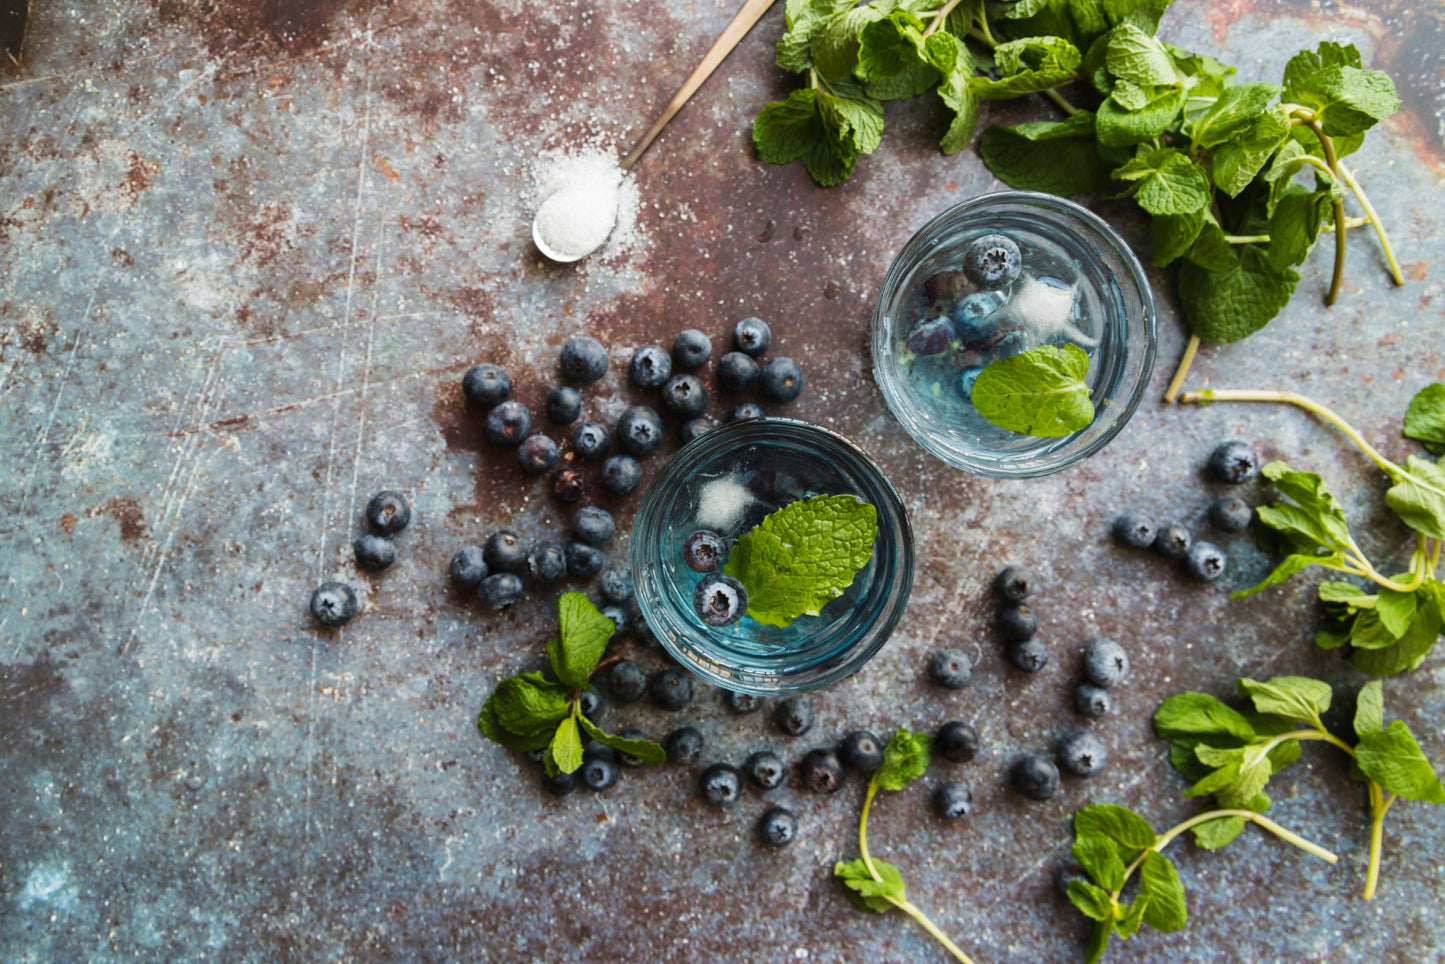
246	252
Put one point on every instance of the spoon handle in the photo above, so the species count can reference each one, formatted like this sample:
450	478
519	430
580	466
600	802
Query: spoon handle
750	13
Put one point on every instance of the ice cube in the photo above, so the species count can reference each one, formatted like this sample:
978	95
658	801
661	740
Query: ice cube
1045	308
971	315
722	502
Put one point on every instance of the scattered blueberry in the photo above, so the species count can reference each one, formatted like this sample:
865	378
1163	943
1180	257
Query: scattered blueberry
1205	561
499	590
559	784
650	366
387	513
741	703
593	525
508	424
486	384
504	552
752	336
591	440
583	359
1105	663
745	410
929	336
781	380
1172	540
537	453
670	689
626	681
616	584
691	348
547	563
794	715
778	827
621	618
952	668
821	771
992	261
1230	514
639	431
720	600
568	484
1018	621
599	773
956	742
1029	655
468	567
695	428
621	474
1013	583
704	551
684	395
1036	777
1233	462
593	750
720	785
683	745
625	758
737	372
952	800
764	769
1134	529
564	405
1092	701
374	552
1082	753
589	701
584	560
333	604
861	751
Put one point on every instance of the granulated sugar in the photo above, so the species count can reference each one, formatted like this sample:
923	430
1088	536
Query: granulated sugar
578	194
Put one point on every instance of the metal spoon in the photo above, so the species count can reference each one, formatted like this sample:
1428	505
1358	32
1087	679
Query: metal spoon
750	13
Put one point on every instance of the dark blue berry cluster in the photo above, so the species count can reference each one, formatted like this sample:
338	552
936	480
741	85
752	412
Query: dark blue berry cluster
334	603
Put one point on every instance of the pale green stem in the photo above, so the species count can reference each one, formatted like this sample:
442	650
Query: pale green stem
1167	837
1177	382
1349	223
1379	806
941	16
1309	118
1374	219
1247	238
863	832
1058	98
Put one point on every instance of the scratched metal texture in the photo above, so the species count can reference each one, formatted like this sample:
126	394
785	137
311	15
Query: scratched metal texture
246	253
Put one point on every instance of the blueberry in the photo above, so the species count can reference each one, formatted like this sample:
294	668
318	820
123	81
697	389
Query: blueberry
737	372
593	750
626	682
684	395
333	604
1105	663
778	827
1082	753
720	600
695	428
591	440
627	759
720	785
589	701
374	552
1036	777
930	336
559	784
650	366
764	769
546	563
537	453
593	525
616	584
599	773
971	316
1017	621
794	715
1135	530
821	771
1013	583
1230	514
966	379
639	431
745	410
691	348
992	261
468	567
1233	462
584	560
742	703
952	669
387	513
508	424
1205	562
781	380
956	742
568	484
486	384
861	751
504	552
621	475
752	336
670	689
583	359
683	745
499	590
1092	701
952	800
944	286
1030	655
621	618
1172	540
704	551
564	405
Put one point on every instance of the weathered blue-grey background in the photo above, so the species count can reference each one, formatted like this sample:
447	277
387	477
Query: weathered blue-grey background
246	252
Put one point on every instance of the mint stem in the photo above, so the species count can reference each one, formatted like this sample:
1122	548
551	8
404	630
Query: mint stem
1177	382
1313	122
1373	218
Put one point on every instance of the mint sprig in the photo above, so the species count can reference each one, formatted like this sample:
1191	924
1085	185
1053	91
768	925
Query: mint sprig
530	712
1040	392
802	556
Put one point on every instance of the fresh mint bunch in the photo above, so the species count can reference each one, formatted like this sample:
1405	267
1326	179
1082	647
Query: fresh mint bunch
530	712
1040	392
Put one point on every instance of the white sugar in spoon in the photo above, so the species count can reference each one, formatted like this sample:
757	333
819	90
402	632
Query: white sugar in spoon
576	220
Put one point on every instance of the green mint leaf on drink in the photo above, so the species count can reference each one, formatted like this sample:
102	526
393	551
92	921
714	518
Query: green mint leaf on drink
1425	418
1040	392
803	556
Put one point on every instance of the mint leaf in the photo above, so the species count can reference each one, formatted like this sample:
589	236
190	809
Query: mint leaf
527	703
1346	99
1131	918
1287	567
581	638
1406	652
1199	714
1210	250
1161	887
1425	418
1101	859
1236	111
803	19
1395	609
491	727
645	750
1055	157
1315	520
1093	902
803	555
1234	164
1119	126
565	750
904	759
1116	823
864	891
1370	709
891	58
1292	697
1305	64
793	129
1139	57
1418	496
1170	235
954	93
1294	226
1169	183
1028	65
1225	306
1392	758
1040	392
834	46
1214	834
